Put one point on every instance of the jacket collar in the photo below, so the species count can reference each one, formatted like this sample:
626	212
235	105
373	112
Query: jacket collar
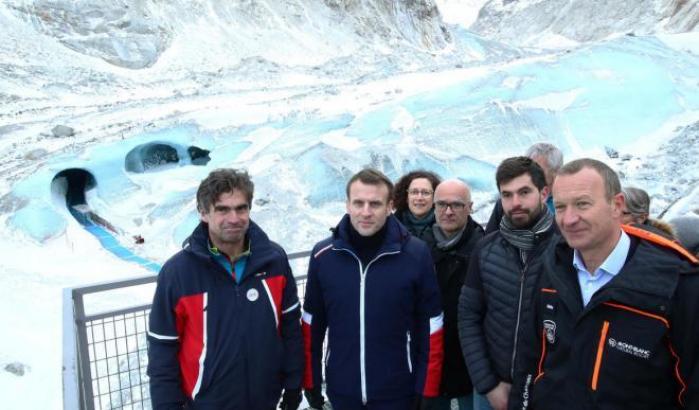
261	250
469	232
396	235
648	271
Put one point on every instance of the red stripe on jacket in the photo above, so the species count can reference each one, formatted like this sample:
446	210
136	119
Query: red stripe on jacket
275	286
190	328
435	358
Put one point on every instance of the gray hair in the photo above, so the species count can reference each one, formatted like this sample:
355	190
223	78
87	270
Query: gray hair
553	155
637	201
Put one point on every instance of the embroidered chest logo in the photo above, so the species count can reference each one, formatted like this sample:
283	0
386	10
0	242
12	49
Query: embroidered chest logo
629	348
550	329
253	294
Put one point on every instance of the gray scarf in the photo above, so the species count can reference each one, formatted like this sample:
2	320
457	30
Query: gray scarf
442	241
525	239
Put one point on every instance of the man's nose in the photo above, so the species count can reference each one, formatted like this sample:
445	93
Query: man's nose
232	217
567	216
516	200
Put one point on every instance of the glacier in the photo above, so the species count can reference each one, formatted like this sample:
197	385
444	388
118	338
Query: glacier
302	94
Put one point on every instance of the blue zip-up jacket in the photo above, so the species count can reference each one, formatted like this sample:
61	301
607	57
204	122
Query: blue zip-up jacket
216	344
384	320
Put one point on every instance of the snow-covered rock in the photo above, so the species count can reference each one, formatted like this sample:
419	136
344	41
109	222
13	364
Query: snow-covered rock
529	22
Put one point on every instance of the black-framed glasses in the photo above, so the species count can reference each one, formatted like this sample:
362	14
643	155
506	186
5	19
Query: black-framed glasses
455	206
420	192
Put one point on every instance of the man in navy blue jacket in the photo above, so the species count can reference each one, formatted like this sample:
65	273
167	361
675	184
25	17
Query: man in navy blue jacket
224	329
372	286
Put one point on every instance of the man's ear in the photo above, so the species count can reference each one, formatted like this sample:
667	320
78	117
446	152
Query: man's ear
545	193
618	202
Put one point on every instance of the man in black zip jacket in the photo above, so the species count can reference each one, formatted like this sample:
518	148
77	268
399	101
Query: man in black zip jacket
455	236
500	281
616	309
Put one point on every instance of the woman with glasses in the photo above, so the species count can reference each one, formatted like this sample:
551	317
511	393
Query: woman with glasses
412	202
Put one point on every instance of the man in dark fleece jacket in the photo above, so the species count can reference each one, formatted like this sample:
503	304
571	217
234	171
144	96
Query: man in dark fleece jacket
616	309
224	331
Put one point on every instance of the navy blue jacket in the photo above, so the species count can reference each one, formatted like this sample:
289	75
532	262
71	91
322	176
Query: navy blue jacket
384	319
216	344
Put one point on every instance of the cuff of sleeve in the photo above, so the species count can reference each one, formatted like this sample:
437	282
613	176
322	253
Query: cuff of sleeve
487	387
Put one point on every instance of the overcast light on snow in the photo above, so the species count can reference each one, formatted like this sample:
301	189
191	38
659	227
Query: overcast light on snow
304	102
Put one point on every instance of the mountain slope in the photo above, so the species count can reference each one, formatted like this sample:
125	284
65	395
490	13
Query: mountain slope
527	22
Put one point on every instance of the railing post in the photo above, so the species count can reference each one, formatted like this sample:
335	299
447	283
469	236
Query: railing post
71	390
87	398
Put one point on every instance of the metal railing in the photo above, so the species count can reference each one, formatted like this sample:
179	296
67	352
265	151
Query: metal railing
105	354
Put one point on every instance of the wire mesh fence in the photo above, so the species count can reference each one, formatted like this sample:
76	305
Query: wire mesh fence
118	355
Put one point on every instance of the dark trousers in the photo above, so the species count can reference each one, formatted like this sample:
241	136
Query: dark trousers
351	403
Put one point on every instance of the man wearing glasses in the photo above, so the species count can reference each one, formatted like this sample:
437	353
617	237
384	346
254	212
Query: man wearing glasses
224	329
455	236
501	278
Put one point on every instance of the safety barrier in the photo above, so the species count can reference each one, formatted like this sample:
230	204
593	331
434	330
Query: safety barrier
105	353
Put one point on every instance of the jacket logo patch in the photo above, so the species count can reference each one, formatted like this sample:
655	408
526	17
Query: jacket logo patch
629	348
550	329
253	294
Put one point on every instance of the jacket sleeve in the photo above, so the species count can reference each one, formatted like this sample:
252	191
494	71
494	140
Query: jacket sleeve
428	339
684	343
291	333
495	217
470	316
314	325
163	345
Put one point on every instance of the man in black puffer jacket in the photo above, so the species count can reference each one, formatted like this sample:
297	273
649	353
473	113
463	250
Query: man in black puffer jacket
455	236
502	274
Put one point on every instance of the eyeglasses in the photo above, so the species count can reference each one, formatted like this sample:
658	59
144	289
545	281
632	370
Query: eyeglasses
455	206
420	192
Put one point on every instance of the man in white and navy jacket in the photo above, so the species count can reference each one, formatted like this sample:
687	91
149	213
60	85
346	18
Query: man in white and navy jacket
373	288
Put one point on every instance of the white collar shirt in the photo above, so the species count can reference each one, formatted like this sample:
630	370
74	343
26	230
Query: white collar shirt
590	283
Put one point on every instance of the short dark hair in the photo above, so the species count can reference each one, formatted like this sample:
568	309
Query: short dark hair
370	176
221	181
513	167
612	186
400	191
